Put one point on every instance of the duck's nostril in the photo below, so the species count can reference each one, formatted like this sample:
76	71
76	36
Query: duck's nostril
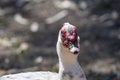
76	52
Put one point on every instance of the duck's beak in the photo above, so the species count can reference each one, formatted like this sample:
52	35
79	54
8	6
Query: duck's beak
74	50
74	47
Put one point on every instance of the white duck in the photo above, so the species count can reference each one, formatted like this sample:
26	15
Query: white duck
68	49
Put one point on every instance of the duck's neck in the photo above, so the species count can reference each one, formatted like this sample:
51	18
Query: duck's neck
69	68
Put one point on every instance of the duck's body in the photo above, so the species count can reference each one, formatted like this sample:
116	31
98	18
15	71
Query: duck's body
67	49
41	75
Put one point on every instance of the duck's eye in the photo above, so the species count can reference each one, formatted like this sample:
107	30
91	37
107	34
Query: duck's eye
70	45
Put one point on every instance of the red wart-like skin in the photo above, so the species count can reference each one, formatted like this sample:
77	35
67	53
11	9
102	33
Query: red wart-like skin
69	36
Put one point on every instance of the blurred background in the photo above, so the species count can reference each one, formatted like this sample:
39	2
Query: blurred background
29	30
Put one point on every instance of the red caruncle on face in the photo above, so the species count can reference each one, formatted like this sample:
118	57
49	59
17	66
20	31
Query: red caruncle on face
67	36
